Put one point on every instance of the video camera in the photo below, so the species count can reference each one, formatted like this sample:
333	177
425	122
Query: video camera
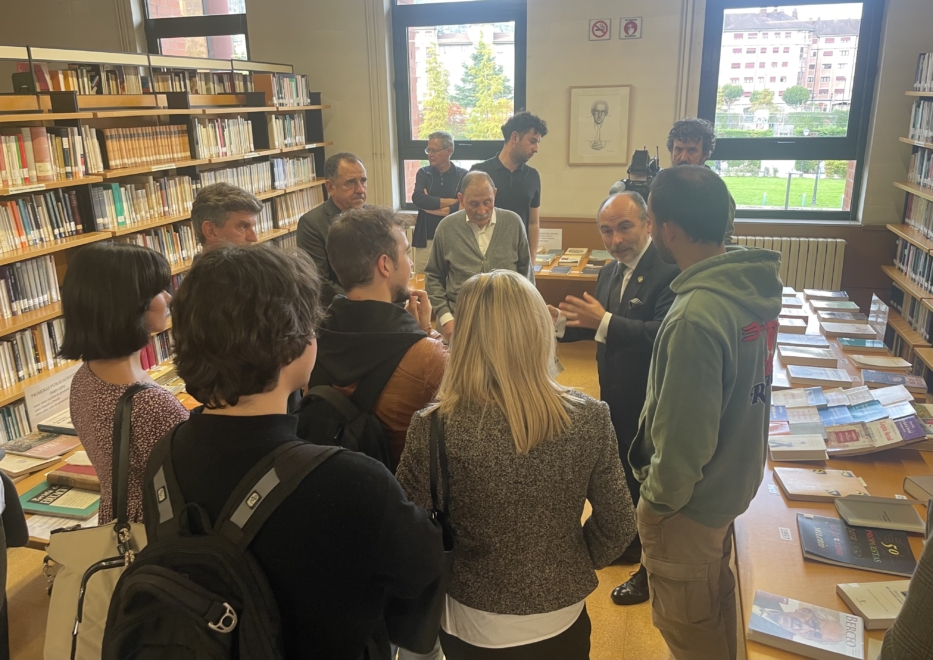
640	174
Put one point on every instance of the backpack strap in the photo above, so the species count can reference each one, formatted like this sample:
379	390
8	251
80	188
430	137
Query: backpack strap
371	385
265	486
162	495
120	452
342	404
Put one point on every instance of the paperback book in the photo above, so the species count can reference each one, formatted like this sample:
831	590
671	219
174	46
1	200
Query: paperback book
799	375
794	313
794	326
875	379
42	445
818	485
878	603
880	362
75	476
807	357
838	305
835	415
848	344
790	339
799	397
831	541
821	294
803	415
59	423
853	330
834	316
881	513
919	487
19	466
868	411
60	501
791	301
797	448
804	629
888	396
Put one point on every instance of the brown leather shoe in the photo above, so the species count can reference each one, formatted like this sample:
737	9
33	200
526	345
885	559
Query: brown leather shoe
634	591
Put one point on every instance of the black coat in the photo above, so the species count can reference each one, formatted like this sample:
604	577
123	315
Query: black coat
624	359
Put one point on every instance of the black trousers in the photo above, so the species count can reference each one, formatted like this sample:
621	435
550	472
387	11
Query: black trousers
572	644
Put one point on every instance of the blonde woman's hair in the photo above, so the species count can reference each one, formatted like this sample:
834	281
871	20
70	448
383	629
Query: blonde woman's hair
501	354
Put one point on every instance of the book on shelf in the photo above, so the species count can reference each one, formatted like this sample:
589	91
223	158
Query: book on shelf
880	512
919	487
59	423
286	130
282	89
804	629
818	485
874	379
42	445
788	339
176	242
833	316
142	146
794	313
794	326
39	218
831	541
290	207
923	77
83	477
791	301
854	330
920	168
850	345
877	603
801	375
28	285
30	352
807	357
219	137
19	466
288	172
921	121
62	501
141	199
797	448
880	362
14	423
823	294
834	305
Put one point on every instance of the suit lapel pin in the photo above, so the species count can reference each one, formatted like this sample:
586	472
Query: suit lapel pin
641	278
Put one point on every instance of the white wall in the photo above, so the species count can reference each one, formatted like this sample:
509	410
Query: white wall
90	24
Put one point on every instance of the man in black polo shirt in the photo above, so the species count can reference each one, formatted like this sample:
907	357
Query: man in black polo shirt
435	193
518	187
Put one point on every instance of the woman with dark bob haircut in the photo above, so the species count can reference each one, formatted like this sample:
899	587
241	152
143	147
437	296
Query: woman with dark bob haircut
114	297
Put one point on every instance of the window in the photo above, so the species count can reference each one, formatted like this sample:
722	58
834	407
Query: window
752	35
844	53
777	35
749	80
751	51
738	35
746	94
736	50
197	29
761	80
840	78
827	53
736	65
776	49
761	65
786	49
734	81
829	40
764	49
764	35
846	40
787	35
827	128
749	65
772	79
841	65
446	56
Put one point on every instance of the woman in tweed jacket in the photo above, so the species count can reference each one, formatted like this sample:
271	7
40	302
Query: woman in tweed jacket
524	455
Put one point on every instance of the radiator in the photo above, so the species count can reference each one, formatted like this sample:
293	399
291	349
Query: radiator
806	263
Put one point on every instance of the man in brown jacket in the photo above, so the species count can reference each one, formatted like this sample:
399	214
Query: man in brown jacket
379	319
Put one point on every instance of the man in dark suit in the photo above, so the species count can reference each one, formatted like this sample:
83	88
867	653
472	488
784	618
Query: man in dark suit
632	297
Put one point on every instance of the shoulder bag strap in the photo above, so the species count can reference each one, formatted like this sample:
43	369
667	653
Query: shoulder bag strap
264	487
120	461
438	458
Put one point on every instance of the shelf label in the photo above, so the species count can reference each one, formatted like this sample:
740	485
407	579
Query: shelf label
166	166
251	154
25	189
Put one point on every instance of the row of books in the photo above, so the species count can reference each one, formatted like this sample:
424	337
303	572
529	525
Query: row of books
920	168
146	145
915	262
176	242
286	130
266	220
28	285
157	351
14	422
30	352
289	208
252	177
202	82
923	76
89	79
219	137
39	219
141	199
913	311
292	171
287	244
918	213
284	89
40	154
921	121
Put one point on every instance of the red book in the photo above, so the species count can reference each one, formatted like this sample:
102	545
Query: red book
75	476
22	156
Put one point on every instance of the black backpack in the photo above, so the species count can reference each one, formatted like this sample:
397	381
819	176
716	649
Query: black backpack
327	417
195	591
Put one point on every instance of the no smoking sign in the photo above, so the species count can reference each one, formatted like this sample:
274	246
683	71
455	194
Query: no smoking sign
600	29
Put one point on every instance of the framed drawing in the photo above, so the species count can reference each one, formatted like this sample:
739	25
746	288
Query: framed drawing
599	125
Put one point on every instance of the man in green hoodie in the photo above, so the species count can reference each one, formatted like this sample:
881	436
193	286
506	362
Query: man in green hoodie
700	449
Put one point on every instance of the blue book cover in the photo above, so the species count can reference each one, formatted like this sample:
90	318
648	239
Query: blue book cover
560	270
815	397
778	413
869	411
836	415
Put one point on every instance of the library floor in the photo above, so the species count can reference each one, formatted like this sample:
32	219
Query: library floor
619	633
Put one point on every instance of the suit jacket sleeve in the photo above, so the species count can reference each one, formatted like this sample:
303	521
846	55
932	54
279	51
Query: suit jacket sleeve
586	334
634	333
313	240
421	199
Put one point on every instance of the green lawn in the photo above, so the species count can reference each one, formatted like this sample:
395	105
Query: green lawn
750	190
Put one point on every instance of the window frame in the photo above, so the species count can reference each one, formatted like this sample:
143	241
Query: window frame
222	25
849	148
465	12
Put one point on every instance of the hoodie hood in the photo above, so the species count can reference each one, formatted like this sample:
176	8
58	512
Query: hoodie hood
358	336
748	276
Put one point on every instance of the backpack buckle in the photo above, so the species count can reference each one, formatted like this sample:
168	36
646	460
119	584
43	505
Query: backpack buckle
227	621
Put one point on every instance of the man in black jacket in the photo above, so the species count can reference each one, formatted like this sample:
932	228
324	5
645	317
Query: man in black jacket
632	297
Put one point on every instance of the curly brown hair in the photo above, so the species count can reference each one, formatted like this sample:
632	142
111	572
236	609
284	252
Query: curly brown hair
239	317
692	129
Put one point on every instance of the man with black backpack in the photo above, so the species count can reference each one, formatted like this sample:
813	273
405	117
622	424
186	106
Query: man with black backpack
378	364
261	546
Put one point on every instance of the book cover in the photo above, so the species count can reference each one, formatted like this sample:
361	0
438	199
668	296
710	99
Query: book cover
868	411
816	397
835	415
791	301
837	316
794	313
60	501
831	541
875	379
804	629
778	428
18	466
878	603
880	362
42	445
807	356
75	476
919	487
803	415
778	413
891	395
857	395
789	339
799	375
880	512
818	485
849	439
788	291
925	415
901	410
560	270
853	330
808	428
792	398
797	448
821	294
796	326
910	428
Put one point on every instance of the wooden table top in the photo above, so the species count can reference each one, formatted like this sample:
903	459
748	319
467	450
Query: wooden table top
575	274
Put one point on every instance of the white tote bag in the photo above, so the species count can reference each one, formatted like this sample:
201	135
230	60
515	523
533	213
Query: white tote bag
88	562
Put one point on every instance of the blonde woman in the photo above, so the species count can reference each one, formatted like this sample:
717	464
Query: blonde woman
524	454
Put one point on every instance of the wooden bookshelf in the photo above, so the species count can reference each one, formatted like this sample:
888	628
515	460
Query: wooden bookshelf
916	143
904	329
29	319
920	94
18	391
907	286
152	224
48	185
269	194
45	116
914	189
305	147
249	156
913	236
148	169
275	233
55	246
302	186
925	355
181	268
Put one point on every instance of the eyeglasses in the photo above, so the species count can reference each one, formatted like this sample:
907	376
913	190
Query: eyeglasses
431	152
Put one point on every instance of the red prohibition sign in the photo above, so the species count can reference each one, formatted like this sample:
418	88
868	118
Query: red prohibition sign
631	28
600	28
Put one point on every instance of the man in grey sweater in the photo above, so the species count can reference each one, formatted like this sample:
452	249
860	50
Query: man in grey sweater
477	239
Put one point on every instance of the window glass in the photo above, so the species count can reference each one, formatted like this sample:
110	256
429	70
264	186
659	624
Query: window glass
174	8
226	47
412	167
788	184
